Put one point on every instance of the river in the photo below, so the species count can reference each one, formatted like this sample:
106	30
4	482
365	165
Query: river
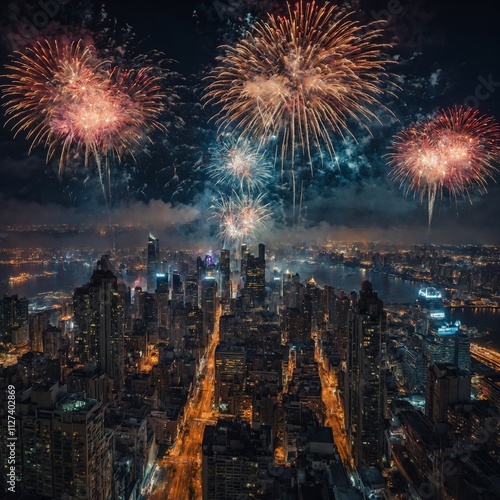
63	278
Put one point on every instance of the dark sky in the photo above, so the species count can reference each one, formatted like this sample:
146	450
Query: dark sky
446	51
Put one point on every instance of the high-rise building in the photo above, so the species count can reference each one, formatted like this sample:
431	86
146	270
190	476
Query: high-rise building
446	344
162	296
244	257
445	384
191	291
225	275
209	306
234	459
149	312
414	368
162	282
38	322
291	290
15	314
177	296
365	393
61	445
341	309
230	375
99	308
153	256
255	279
430	301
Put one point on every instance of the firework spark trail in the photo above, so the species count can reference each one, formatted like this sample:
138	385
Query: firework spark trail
298	78
240	163
65	97
240	218
455	152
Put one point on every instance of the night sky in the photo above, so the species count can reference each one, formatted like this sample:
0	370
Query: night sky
446	54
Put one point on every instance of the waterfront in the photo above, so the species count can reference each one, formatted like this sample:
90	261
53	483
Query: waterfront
64	277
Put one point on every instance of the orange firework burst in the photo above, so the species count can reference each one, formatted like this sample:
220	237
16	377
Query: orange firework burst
64	96
455	151
299	77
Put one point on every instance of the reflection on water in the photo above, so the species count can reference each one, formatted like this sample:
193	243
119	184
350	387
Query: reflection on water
60	279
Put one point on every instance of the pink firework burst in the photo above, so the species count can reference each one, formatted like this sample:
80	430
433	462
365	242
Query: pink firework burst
456	151
64	97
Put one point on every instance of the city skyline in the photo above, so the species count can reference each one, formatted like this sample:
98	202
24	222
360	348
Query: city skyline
444	58
187	391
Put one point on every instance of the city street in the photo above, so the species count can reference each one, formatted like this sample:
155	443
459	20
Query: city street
334	410
183	463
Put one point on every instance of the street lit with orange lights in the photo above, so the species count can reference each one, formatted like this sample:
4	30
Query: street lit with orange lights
333	406
488	357
183	462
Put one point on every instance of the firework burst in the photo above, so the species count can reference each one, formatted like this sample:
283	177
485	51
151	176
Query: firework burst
240	218
63	96
239	163
455	152
297	78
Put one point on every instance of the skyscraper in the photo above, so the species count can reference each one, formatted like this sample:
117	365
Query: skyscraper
209	306
446	384
225	275
234	457
153	262
162	296
15	318
99	308
62	450
255	278
365	396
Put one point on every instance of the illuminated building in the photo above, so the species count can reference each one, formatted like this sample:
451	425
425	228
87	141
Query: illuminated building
291	290
33	366
38	322
317	304
341	308
15	313
255	279
99	308
225	275
442	342
414	368
149	311
61	444
208	306
162	296
191	291
53	342
153	260
446	384
365	394
230	375
234	459
430	301
177	296
244	258
88	379
445	343
275	292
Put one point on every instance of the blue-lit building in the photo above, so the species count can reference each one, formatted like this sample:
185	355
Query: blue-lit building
431	300
442	342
